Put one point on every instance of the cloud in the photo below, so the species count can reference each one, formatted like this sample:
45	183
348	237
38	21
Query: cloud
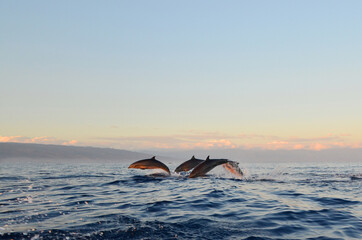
277	145
319	146
296	143
356	145
203	140
71	142
179	141
215	143
41	140
9	139
328	138
216	140
298	146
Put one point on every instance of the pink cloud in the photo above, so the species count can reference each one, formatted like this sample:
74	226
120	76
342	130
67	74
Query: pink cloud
298	146
274	145
215	143
319	146
71	142
9	139
208	140
339	144
356	145
169	142
203	140
41	140
297	143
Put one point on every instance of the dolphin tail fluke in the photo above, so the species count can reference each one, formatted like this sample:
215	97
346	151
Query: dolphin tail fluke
233	167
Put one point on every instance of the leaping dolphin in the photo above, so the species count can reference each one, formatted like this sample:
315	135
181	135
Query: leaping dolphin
188	165
206	166
200	167
150	163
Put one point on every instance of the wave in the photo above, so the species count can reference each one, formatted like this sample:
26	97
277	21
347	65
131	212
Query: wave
107	202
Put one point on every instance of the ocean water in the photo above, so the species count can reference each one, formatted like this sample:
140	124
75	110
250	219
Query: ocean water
110	201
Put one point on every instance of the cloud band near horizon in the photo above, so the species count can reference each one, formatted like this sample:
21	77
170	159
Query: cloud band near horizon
200	140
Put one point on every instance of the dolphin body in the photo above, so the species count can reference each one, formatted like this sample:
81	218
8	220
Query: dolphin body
200	167
206	166
188	165
151	163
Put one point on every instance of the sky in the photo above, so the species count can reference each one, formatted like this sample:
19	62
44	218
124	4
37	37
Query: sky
182	74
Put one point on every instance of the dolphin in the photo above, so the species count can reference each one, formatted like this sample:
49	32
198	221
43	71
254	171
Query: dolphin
206	166
200	167
188	165
150	163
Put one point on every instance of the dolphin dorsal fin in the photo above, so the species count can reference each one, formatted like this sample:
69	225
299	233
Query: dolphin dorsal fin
153	158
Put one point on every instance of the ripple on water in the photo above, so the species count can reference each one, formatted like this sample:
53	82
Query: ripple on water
108	202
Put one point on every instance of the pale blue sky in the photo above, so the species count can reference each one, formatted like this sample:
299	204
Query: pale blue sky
190	72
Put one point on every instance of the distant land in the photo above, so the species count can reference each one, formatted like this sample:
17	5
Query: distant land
41	152
259	155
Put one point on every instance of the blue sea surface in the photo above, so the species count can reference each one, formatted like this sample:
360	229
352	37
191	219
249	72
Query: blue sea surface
110	201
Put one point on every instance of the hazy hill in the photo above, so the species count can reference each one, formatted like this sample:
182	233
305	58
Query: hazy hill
59	152
259	155
42	152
